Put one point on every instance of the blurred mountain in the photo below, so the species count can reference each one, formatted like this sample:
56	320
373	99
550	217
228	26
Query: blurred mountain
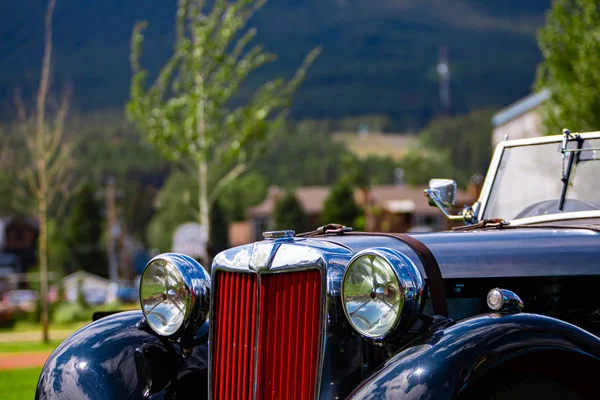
379	56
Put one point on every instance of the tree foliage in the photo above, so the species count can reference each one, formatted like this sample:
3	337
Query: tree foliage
340	206
174	207
219	235
421	165
372	170
188	112
84	229
462	144
570	46
303	153
289	214
246	191
455	147
6	201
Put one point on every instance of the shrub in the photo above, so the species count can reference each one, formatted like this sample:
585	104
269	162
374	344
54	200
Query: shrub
71	312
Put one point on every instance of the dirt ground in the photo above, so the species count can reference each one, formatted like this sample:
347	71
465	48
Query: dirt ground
23	360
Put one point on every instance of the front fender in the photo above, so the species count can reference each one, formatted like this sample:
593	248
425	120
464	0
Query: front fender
113	359
441	364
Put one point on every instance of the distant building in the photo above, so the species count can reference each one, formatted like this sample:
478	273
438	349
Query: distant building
396	208
521	119
19	236
95	288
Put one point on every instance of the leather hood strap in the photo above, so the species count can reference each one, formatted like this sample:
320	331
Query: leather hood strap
430	264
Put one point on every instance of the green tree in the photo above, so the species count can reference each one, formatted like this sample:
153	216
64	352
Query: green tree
467	139
421	165
6	200
340	206
84	229
219	235
138	207
289	214
178	194
303	154
173	208
188	112
246	191
59	252
571	50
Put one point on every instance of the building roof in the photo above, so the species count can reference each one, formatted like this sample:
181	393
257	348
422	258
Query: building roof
310	197
85	276
520	107
392	198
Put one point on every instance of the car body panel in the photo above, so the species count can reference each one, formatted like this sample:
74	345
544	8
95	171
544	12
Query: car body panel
514	252
112	358
442	364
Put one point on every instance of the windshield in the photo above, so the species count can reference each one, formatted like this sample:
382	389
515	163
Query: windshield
529	181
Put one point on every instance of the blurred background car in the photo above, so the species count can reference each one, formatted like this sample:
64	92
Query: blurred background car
21	300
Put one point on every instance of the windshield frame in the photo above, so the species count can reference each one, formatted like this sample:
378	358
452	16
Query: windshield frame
490	179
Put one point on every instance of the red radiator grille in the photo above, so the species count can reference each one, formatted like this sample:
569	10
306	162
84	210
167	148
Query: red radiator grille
234	327
288	335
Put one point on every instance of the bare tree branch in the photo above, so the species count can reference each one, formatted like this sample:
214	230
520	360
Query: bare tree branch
55	138
47	175
20	106
45	79
224	181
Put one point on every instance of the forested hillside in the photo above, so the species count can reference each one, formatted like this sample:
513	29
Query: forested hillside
379	56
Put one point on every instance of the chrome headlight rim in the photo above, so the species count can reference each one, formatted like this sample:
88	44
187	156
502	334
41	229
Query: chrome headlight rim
411	284
196	282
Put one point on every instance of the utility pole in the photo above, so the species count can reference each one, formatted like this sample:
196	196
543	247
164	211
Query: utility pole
443	71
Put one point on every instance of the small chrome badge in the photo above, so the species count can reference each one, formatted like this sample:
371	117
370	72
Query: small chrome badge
279	234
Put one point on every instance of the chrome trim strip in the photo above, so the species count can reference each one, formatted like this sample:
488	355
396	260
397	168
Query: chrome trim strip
556	217
256	337
488	183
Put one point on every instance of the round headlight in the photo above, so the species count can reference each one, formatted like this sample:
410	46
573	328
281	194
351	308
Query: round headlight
381	292
174	294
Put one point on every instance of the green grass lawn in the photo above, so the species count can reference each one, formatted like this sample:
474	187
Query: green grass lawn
28	326
17	384
25	325
24	347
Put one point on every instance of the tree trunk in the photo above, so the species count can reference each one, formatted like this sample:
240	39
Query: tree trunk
203	205
203	201
43	259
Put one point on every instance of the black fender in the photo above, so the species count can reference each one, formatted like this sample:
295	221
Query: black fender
117	358
445	363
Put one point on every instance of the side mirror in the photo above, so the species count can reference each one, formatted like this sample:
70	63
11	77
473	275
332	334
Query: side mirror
444	190
442	194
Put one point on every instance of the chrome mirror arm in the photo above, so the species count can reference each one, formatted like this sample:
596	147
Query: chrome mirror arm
434	200
470	213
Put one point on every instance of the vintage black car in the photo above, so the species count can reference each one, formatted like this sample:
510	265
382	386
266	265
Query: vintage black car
506	307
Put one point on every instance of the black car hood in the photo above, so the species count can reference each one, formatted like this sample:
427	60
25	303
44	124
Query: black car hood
515	252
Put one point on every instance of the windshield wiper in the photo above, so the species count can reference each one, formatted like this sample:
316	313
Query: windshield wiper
568	137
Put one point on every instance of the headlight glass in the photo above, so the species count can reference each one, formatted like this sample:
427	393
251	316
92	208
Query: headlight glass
372	295
163	297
